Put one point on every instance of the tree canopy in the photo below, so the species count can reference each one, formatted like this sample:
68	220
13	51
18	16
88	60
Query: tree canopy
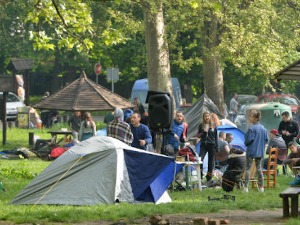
248	40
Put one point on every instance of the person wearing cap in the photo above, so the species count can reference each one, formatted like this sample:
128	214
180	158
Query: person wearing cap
119	129
276	141
288	128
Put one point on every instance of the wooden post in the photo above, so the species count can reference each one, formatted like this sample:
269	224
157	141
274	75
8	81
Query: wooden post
31	138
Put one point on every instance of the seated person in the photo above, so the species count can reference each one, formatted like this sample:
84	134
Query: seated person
109	117
293	158
223	152
276	141
236	166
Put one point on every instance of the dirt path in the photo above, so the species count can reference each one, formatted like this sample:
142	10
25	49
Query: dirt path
235	217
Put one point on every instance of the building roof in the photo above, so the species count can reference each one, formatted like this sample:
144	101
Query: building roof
291	72
22	64
84	95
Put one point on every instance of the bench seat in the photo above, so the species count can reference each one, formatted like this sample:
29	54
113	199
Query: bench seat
293	193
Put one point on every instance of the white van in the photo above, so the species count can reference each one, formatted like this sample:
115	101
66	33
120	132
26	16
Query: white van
140	91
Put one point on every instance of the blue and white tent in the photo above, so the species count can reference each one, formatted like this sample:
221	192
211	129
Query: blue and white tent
102	170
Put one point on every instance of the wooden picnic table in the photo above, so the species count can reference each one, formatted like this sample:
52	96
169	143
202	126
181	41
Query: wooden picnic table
55	133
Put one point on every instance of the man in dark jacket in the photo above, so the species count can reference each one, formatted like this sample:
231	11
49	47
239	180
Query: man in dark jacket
288	128
235	169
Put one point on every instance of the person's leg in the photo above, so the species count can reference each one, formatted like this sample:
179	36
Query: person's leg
258	163
265	163
291	165
247	175
203	152
211	163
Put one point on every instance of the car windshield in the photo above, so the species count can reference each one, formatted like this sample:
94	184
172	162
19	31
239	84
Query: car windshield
286	100
10	98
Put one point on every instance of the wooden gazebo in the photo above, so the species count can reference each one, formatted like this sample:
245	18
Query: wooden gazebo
291	72
83	95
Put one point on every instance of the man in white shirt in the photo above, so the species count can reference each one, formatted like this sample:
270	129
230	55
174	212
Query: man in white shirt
233	107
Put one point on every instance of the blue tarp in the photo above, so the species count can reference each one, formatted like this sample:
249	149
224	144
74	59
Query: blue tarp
238	140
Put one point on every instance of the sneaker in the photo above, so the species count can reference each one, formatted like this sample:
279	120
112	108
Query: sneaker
261	189
246	190
295	182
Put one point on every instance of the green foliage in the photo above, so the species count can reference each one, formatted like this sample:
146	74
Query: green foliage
256	39
64	24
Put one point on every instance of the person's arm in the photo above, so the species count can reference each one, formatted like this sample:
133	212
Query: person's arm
280	128
148	137
288	160
269	147
128	134
227	149
80	131
249	137
94	128
200	131
295	130
216	138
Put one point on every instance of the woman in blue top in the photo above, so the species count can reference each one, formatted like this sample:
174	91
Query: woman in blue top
256	139
177	131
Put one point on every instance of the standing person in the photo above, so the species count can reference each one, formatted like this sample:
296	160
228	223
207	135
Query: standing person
288	128
75	123
255	139
119	129
233	107
207	132
141	110
215	119
87	127
141	133
177	131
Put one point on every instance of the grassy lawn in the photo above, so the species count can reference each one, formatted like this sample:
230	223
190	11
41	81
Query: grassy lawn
15	174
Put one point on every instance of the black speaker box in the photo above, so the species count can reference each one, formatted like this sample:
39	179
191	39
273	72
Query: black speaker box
160	111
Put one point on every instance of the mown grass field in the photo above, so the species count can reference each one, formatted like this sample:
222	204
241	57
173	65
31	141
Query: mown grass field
15	174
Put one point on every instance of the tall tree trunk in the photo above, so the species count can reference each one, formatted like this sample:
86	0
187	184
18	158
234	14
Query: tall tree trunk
158	64
212	70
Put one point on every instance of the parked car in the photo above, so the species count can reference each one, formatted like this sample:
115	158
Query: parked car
286	99
241	120
141	87
244	99
12	104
